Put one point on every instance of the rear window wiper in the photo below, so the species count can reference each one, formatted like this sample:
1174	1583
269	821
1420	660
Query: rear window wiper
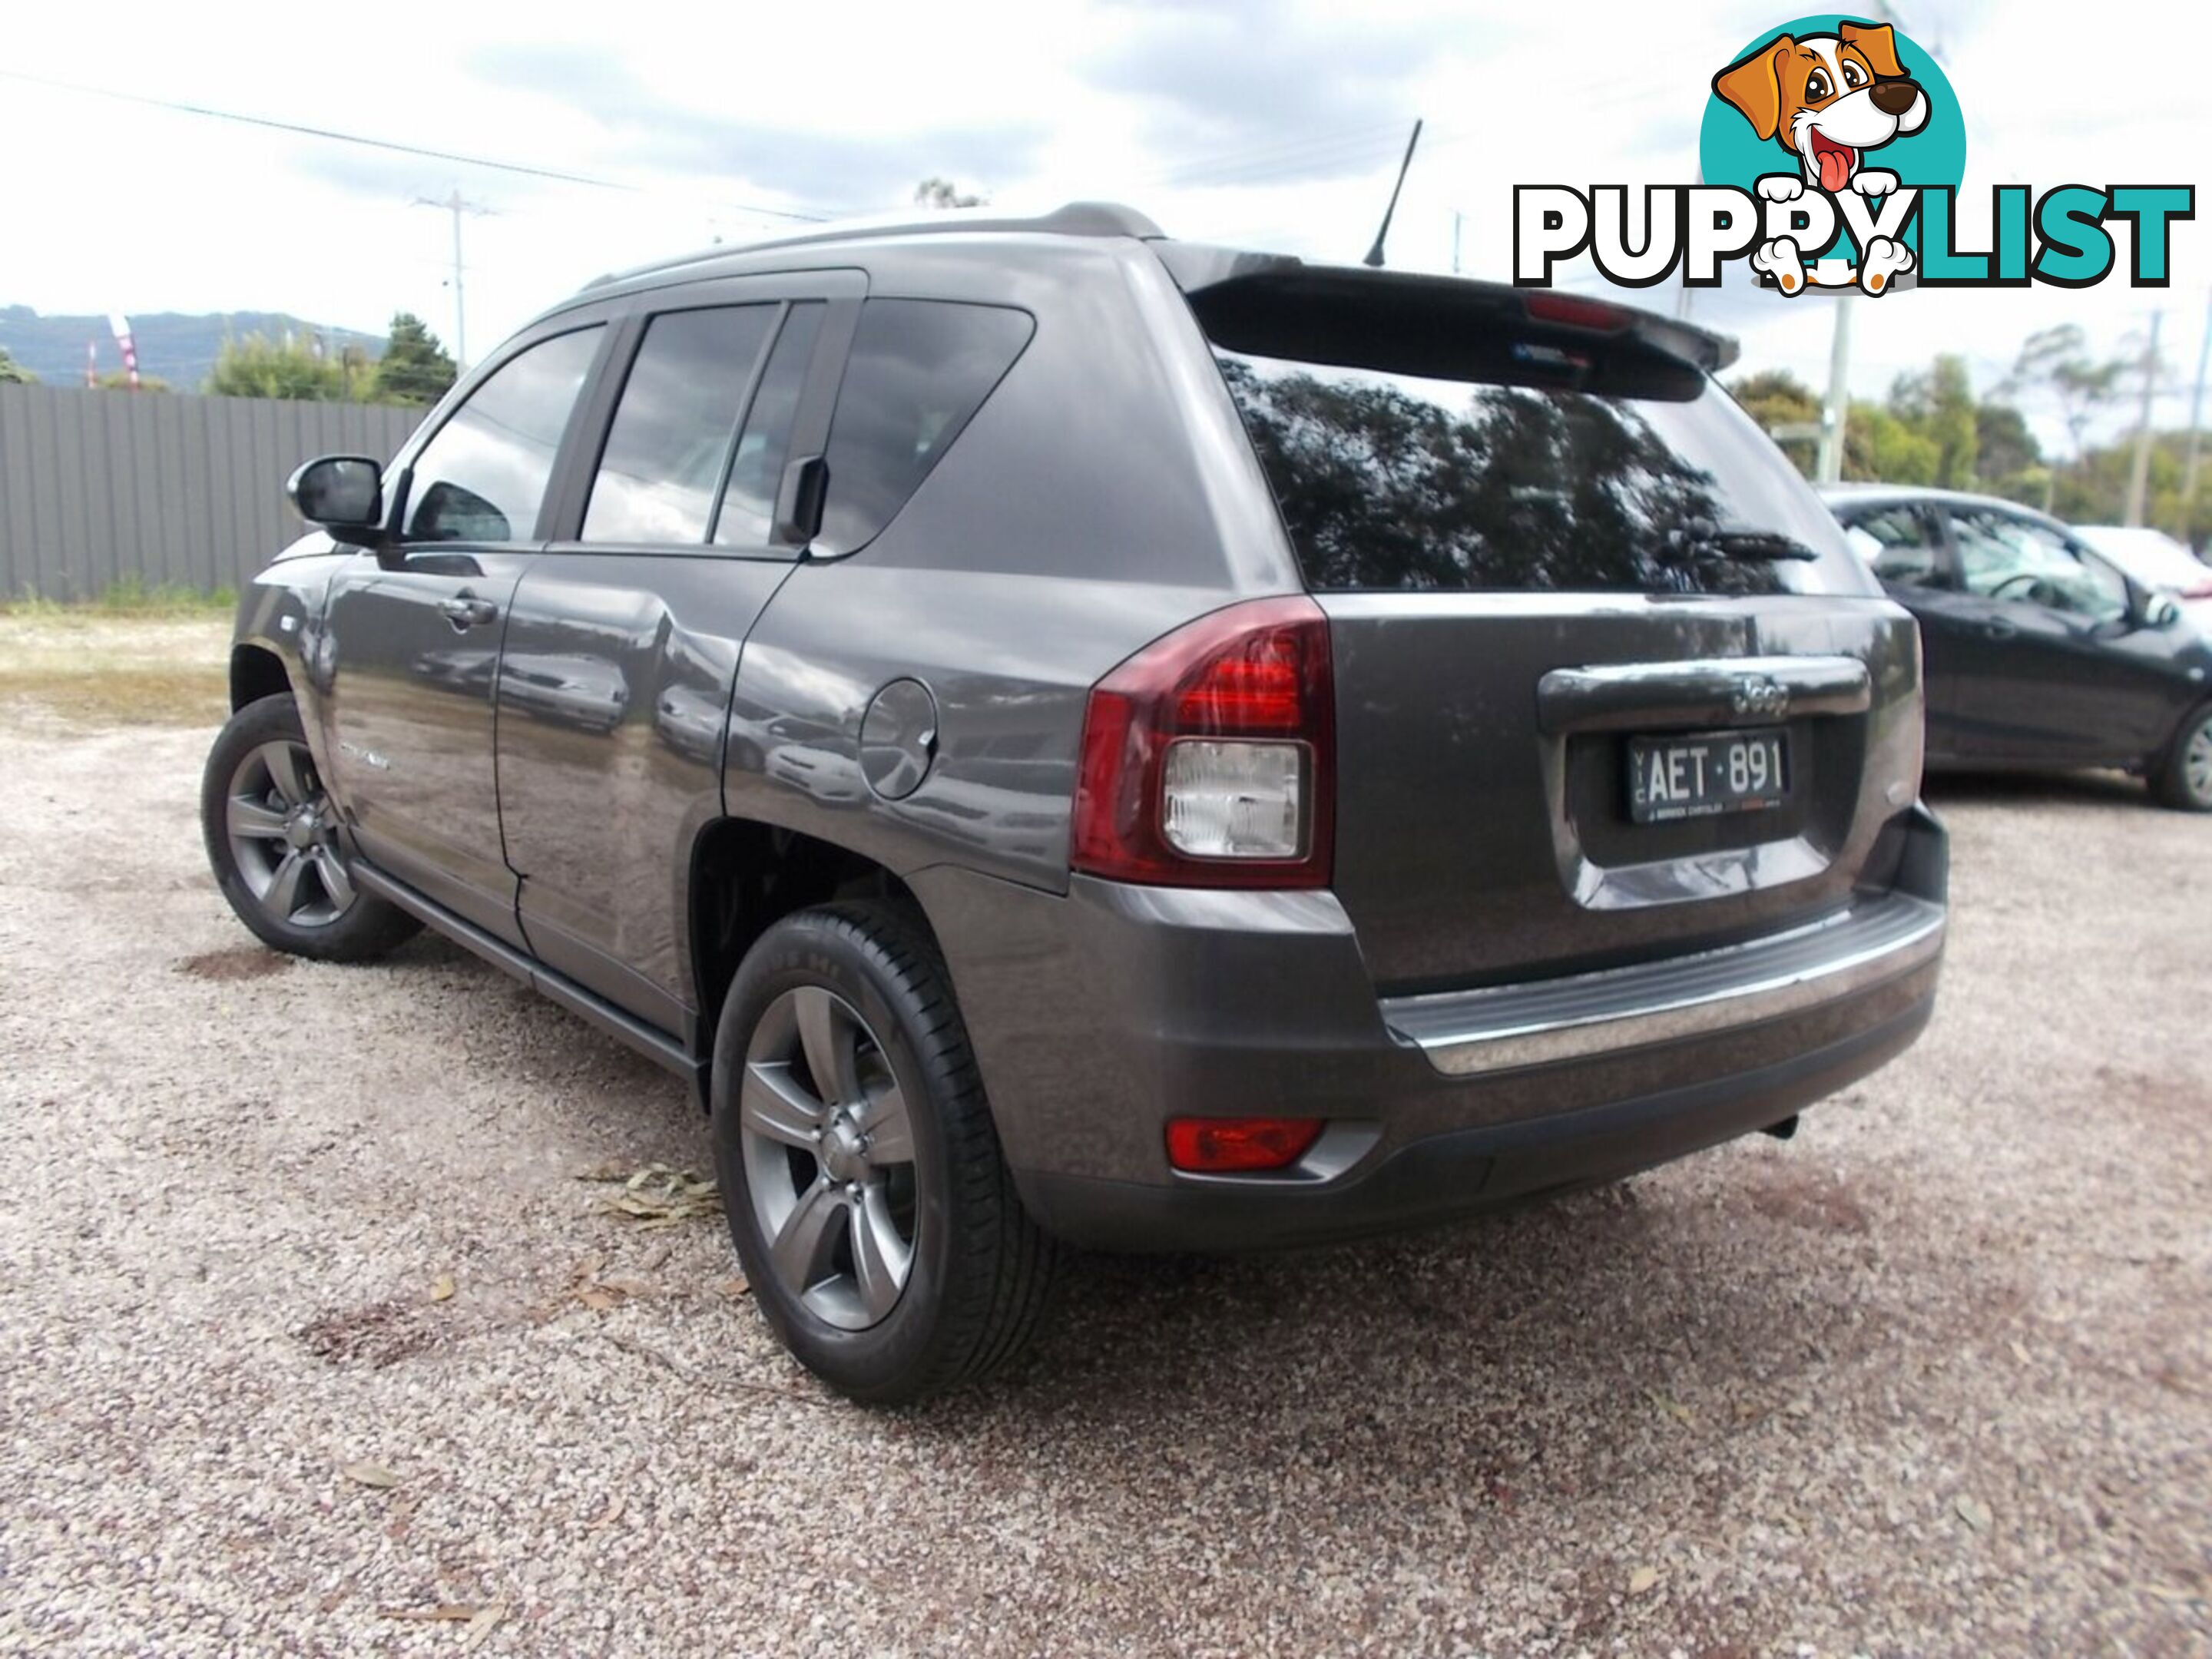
1703	538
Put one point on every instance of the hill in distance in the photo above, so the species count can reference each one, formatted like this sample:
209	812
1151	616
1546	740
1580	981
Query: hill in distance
178	347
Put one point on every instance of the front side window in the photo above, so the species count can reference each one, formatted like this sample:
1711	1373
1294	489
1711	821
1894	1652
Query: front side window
2004	558
482	476
919	371
1900	545
670	436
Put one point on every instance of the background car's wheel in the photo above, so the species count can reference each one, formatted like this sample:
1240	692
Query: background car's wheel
866	1195
272	834
2184	780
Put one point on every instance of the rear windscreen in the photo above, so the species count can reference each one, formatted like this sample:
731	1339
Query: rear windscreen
1391	482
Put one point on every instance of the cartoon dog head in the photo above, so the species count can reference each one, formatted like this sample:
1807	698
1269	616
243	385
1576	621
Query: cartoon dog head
1828	98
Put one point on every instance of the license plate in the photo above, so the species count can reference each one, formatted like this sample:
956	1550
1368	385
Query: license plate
1706	775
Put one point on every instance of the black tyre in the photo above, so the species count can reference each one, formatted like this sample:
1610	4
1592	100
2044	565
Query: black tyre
272	834
2183	780
859	1166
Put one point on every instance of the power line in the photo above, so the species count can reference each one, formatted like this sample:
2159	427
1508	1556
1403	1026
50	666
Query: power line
334	135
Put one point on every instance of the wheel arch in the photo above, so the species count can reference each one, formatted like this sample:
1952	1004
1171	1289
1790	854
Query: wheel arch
256	672
746	875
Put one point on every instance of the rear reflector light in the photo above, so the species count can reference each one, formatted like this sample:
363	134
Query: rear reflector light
1209	757
2197	590
1233	1145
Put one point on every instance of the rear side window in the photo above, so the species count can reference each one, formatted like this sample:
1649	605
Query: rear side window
919	371
748	503
1900	544
1391	482
670	436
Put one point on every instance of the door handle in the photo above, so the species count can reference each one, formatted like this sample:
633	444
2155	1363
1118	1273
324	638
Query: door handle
2000	630
465	610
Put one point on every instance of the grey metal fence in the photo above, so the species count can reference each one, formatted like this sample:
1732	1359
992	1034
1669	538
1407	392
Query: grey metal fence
169	488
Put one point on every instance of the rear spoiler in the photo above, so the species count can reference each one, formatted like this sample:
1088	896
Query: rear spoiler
1224	284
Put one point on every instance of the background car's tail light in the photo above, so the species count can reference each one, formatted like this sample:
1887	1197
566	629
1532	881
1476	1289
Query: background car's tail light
1235	1145
1209	758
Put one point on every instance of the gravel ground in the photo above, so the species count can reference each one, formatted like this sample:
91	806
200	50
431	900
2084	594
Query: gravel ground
309	1330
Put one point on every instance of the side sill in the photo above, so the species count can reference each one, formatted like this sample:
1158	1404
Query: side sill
653	1044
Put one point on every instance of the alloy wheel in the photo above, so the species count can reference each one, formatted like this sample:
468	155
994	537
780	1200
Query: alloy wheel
2197	762
828	1142
284	837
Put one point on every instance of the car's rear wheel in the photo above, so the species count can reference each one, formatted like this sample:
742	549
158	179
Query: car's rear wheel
860	1172
2185	781
272	836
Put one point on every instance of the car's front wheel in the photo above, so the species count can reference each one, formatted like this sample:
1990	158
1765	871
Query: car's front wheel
2184	782
272	836
859	1165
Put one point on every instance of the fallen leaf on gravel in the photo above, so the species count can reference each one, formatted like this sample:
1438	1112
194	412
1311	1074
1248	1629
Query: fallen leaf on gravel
449	1612
2020	1352
1975	1513
1642	1579
658	1196
481	1625
1674	1408
603	1172
598	1300
738	1287
370	1474
626	1286
612	1513
441	1288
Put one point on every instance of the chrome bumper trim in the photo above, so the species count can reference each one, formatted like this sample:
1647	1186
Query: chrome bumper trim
1502	1028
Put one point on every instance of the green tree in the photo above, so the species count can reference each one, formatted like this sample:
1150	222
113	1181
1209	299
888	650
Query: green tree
415	369
13	373
2003	447
1879	445
257	367
118	379
1776	400
1938	406
940	192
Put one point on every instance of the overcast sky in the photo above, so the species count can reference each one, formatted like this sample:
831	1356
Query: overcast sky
1235	120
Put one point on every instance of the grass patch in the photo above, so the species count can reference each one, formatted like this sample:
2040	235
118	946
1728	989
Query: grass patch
95	667
132	597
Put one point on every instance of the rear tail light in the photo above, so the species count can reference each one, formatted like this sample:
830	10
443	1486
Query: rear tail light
1239	1145
1209	758
2198	590
1576	312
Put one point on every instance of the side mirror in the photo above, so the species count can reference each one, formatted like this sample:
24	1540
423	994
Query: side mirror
342	494
2160	611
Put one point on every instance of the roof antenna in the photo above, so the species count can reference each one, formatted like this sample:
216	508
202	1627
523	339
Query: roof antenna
1375	254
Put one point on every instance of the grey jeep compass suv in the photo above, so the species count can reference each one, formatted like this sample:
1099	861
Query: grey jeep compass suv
1060	734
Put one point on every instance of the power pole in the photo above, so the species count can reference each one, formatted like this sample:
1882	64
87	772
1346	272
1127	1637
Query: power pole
2196	432
1829	467
2139	480
456	206
1458	219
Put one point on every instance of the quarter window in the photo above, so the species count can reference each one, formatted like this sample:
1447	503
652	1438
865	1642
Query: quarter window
482	476
670	436
919	371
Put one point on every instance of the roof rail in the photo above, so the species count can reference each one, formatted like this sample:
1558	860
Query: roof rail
1074	219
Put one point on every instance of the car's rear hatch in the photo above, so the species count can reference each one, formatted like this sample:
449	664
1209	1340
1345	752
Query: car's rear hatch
1610	684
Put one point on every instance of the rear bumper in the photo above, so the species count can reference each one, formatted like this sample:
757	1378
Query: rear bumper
1099	1016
